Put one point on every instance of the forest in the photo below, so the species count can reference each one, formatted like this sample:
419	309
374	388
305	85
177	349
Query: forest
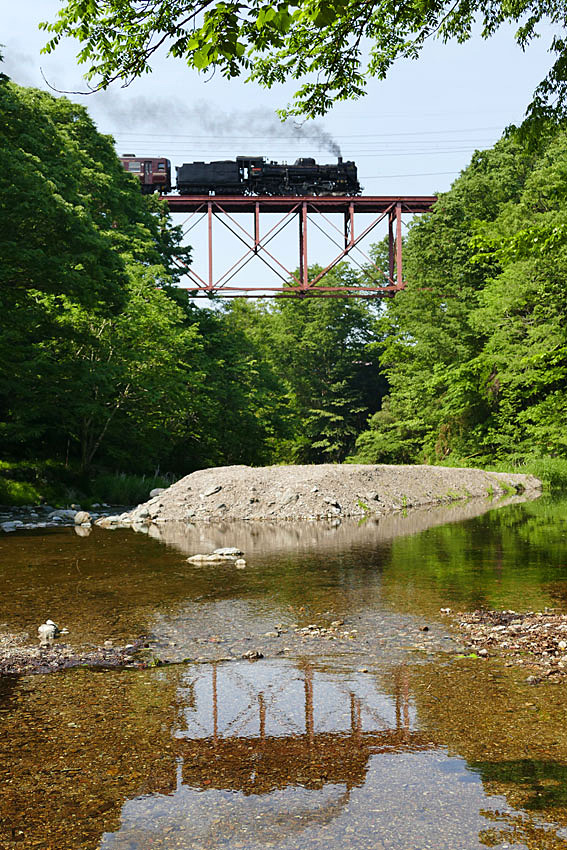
112	376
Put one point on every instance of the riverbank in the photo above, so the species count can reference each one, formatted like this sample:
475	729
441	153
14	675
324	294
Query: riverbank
315	492
18	656
534	640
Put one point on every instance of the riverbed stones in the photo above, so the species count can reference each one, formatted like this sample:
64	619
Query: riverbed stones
11	525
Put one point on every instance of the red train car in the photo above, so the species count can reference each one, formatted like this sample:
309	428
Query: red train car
154	173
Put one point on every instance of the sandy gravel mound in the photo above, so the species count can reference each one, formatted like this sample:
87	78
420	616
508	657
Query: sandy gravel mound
311	492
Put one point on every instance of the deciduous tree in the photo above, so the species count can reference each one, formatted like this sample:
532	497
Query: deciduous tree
330	47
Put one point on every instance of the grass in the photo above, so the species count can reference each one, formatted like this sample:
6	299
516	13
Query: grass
552	471
33	482
123	489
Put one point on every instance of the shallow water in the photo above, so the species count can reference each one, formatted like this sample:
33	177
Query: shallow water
374	733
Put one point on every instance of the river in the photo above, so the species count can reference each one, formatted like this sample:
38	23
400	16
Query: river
354	721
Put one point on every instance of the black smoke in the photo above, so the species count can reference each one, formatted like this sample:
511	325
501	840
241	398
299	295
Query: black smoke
165	113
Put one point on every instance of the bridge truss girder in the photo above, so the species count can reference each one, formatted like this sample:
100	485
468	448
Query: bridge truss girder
224	208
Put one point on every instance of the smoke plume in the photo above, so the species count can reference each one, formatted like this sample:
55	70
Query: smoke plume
168	113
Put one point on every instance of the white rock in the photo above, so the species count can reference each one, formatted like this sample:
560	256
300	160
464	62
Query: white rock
82	517
240	563
230	551
47	631
156	491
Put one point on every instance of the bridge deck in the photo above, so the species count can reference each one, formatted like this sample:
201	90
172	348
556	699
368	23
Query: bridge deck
281	204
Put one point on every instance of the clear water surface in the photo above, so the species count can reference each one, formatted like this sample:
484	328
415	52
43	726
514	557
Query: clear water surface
372	733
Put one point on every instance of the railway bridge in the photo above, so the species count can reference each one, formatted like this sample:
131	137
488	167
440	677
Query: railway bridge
268	216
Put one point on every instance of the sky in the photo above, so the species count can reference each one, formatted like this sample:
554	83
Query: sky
410	135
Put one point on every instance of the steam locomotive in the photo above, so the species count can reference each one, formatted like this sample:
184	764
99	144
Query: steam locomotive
247	176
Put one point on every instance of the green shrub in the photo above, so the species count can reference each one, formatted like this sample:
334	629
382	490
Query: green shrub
18	492
122	489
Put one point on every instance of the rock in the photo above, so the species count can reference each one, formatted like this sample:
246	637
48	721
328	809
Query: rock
212	490
82	517
229	551
211	559
108	521
48	631
61	513
156	491
288	496
483	653
252	655
562	644
240	563
83	530
11	526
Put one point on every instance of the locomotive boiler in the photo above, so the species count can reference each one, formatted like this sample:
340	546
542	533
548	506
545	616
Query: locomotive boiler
259	176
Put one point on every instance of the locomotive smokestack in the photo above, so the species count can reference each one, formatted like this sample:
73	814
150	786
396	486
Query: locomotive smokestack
340	160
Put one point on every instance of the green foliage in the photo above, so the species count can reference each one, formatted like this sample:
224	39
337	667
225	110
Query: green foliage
476	346
123	489
321	43
18	492
105	364
95	357
325	353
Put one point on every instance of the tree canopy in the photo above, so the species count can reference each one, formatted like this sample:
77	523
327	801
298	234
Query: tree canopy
105	364
330	47
476	346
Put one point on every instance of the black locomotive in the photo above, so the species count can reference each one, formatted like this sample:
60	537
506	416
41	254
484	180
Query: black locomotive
257	176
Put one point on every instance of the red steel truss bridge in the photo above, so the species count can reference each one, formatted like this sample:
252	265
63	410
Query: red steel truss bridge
314	211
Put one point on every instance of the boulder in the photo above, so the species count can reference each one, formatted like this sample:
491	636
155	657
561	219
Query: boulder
156	491
82	517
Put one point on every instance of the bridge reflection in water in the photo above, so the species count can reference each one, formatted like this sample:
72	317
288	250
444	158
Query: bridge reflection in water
255	729
282	755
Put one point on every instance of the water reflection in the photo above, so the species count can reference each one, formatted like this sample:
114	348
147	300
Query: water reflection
273	754
255	728
322	537
280	754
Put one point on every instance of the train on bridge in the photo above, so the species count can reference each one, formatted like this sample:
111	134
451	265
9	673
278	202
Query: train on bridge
246	175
